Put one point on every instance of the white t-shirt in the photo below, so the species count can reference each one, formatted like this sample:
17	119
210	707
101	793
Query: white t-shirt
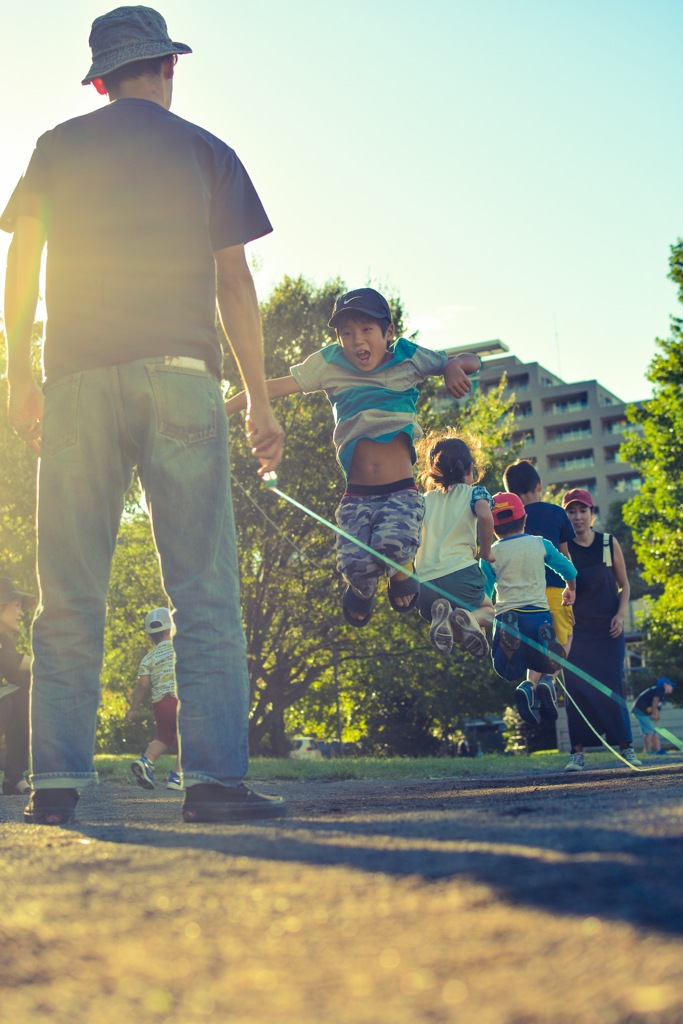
159	665
449	531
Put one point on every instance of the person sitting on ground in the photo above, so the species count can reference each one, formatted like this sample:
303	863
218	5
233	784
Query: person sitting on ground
457	522
523	633
646	710
370	380
157	676
543	519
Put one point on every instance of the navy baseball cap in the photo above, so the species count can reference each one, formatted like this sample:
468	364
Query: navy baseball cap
662	681
361	300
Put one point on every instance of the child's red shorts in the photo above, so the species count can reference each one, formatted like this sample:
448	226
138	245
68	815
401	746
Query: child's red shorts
165	716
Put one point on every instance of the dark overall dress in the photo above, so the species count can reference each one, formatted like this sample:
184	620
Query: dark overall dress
594	651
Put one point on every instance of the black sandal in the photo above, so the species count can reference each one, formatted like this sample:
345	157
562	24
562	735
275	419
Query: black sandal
51	807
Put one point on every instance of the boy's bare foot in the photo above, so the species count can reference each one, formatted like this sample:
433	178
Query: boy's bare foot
402	591
356	608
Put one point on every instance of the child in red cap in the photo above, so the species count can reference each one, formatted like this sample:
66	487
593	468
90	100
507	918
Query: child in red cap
522	612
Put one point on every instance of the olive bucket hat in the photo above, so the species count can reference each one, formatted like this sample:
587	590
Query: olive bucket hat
128	34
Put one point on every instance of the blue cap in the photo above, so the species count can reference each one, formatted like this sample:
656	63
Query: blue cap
361	300
663	680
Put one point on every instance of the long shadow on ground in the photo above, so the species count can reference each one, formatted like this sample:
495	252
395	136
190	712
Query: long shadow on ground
587	847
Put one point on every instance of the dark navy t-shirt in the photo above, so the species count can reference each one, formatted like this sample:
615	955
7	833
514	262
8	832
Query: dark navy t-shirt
644	699
543	519
135	202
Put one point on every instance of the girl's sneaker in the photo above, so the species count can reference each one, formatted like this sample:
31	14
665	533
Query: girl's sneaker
143	770
441	633
466	631
173	782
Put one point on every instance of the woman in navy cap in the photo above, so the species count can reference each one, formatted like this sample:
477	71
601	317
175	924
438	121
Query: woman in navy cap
15	680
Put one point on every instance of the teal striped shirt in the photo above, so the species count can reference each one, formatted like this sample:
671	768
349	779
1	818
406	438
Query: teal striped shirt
378	404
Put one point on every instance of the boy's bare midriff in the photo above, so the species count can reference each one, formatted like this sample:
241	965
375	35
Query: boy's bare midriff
376	462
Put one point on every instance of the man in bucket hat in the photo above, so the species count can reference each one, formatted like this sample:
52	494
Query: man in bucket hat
146	218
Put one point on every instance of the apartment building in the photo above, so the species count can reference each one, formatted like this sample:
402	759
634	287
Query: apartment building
573	431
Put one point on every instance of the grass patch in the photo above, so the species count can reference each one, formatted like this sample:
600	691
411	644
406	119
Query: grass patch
116	767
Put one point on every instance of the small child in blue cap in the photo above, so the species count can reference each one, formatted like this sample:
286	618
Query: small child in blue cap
646	709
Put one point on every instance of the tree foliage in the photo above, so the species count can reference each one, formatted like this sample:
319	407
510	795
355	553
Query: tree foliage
654	514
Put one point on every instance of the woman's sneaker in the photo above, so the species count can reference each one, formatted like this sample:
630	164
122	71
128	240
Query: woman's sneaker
527	705
629	754
143	770
173	781
441	634
466	631
576	763
509	634
547	698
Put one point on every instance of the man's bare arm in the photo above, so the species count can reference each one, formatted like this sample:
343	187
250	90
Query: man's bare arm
239	313
25	403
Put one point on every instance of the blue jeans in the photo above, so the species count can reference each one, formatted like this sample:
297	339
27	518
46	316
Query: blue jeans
98	425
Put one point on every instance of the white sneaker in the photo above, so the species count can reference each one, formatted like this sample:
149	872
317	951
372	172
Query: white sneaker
467	631
629	754
441	633
576	763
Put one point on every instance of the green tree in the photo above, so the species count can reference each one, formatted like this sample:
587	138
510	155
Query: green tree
654	514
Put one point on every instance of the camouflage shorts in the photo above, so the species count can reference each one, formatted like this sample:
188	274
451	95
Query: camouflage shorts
391	524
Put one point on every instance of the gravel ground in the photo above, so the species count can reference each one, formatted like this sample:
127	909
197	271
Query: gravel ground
549	898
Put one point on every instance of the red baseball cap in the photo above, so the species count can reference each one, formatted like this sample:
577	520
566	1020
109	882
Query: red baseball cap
578	494
507	508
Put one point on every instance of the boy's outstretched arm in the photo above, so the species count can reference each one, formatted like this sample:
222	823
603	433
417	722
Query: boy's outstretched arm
276	387
457	372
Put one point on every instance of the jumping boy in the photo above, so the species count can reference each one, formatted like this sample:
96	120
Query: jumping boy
370	380
543	519
157	675
522	611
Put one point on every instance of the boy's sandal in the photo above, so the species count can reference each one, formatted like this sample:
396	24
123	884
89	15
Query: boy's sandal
51	807
408	587
363	606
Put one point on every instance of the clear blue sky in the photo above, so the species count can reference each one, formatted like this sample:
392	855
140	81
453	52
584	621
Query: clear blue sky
511	168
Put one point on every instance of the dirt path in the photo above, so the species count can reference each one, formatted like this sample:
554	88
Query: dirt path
534	898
